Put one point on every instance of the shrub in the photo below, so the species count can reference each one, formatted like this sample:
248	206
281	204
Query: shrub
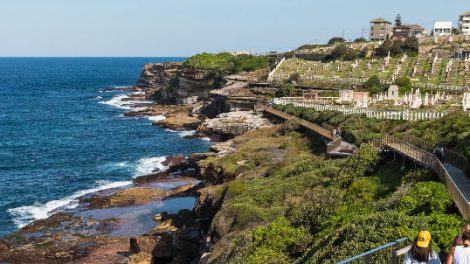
282	237
404	84
362	163
285	91
359	40
294	78
373	85
426	198
336	40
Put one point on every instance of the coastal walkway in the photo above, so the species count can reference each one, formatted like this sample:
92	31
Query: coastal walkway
335	146
450	172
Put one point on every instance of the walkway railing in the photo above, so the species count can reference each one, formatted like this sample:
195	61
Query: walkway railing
309	125
418	155
426	159
452	157
388	253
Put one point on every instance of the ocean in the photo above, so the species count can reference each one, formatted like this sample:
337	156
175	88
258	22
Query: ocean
63	134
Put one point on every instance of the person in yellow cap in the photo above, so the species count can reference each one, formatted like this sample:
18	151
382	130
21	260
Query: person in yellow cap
421	251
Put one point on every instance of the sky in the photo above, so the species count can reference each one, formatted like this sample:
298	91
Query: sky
150	28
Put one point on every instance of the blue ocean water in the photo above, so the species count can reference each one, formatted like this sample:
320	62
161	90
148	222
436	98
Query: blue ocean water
61	136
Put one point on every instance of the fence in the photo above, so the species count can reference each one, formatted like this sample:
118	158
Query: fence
389	253
379	114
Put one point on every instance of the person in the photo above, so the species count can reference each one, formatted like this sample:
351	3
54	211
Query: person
338	132
333	133
421	251
460	253
439	152
458	239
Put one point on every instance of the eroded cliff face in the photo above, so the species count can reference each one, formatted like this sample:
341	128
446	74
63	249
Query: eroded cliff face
174	83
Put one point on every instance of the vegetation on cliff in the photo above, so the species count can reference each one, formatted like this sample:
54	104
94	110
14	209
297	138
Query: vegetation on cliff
225	63
289	202
452	132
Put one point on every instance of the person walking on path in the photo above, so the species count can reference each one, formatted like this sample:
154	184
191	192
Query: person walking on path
421	251
460	253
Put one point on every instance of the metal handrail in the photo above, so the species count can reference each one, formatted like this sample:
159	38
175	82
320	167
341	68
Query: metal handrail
375	250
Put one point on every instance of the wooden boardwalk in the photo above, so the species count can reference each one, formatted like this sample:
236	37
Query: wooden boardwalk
454	178
335	145
457	184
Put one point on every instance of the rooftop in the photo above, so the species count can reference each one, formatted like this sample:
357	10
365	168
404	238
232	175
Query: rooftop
380	20
443	24
466	13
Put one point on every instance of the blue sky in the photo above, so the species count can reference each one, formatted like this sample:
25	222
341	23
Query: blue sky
186	27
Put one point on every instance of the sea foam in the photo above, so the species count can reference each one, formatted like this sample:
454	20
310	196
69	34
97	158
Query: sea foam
183	133
24	215
147	166
156	118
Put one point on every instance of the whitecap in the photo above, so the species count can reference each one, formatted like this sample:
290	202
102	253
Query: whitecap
206	139
24	215
156	118
183	133
116	166
119	102
97	98
147	166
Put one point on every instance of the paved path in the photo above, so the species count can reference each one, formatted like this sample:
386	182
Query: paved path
459	179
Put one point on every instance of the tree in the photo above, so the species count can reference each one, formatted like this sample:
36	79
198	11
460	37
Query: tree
338	52
351	54
384	49
336	40
285	90
398	20
364	52
359	40
404	84
294	78
373	85
396	47
411	45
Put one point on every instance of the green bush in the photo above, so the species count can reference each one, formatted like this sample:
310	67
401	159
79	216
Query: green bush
280	236
373	85
226	63
426	198
362	163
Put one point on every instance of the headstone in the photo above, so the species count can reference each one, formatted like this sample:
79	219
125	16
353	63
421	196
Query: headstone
466	101
393	92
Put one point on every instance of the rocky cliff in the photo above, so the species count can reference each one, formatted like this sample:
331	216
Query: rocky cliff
175	83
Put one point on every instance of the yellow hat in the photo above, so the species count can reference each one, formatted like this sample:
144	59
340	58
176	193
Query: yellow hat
423	239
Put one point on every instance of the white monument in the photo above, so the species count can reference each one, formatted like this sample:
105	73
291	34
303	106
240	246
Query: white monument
466	102
393	92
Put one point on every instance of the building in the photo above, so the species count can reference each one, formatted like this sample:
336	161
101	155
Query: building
380	29
442	28
464	23
405	31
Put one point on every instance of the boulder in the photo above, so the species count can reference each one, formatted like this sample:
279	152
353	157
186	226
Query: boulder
166	226
158	246
141	258
4	246
188	241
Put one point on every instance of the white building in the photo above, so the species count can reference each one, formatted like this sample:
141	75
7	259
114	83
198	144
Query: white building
442	28
464	23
